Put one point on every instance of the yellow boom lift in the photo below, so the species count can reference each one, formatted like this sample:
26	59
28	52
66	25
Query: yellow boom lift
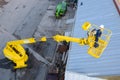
15	52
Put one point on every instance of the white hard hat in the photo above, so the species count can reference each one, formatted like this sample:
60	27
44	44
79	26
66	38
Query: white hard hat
102	26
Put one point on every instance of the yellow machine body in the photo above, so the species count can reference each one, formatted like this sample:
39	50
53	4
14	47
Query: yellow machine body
15	52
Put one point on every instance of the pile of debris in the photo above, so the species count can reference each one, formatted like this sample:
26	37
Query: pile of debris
3	2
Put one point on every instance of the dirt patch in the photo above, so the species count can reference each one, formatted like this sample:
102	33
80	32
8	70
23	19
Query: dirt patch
2	2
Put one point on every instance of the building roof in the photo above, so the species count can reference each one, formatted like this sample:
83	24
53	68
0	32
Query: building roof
97	12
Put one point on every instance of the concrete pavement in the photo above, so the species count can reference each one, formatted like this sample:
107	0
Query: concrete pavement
25	18
19	17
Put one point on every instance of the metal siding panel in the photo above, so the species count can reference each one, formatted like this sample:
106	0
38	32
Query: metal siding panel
98	12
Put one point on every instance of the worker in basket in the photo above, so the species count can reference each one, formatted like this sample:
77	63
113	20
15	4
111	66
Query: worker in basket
98	34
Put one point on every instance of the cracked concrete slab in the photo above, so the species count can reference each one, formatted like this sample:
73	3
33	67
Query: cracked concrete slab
32	20
16	12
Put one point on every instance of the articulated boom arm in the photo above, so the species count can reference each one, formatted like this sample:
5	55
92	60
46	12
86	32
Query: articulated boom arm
26	41
81	41
15	52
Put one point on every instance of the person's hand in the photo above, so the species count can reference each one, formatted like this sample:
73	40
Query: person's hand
96	44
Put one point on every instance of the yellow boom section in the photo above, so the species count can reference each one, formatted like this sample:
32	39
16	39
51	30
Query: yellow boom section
81	41
26	41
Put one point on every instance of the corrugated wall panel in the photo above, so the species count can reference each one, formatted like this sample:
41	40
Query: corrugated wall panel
97	12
